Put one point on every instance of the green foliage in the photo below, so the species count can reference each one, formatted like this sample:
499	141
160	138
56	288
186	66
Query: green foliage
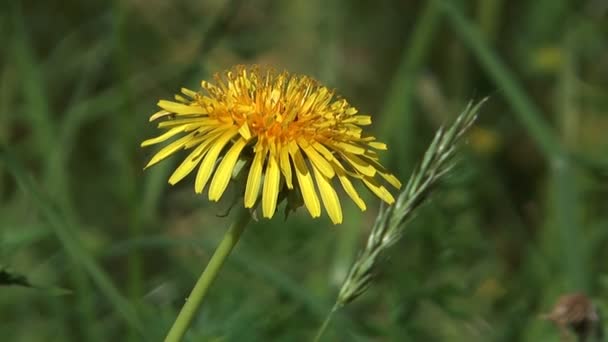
519	221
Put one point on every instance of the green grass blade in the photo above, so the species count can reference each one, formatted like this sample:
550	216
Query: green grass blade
71	243
525	110
397	119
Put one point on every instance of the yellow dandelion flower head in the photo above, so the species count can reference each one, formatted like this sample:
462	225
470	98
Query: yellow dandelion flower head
292	132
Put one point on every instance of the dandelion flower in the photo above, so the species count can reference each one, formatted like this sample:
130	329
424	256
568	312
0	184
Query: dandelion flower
292	133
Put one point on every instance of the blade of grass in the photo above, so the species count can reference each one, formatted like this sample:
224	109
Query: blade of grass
85	308
124	143
525	110
6	100
564	182
73	246
540	131
32	81
489	15
37	109
57	176
397	122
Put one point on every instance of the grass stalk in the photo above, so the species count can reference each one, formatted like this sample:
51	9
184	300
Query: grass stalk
326	323
125	141
565	181
196	297
390	223
85	310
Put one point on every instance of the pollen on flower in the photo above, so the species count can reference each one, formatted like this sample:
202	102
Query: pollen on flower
292	132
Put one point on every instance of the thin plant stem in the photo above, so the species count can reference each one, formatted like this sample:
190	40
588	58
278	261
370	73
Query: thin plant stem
326	322
194	301
391	221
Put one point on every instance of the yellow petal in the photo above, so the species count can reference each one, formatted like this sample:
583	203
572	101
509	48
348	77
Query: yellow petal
254	178
271	187
181	99
379	190
285	166
205	133
190	162
321	163
350	189
378	145
224	170
391	179
204	143
350	148
169	149
159	114
323	150
362	120
309	102
173	131
180	108
206	168
198	121
329	197
359	164
305	180
244	131
353	132
351	111
190	93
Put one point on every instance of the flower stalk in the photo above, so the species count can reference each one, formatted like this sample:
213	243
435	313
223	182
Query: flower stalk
194	301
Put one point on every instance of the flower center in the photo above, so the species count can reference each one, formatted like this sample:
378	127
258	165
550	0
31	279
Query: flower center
277	109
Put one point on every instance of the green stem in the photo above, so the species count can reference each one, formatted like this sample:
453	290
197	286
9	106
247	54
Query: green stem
194	301
326	322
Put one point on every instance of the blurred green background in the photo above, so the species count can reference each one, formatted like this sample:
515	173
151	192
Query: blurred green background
111	251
